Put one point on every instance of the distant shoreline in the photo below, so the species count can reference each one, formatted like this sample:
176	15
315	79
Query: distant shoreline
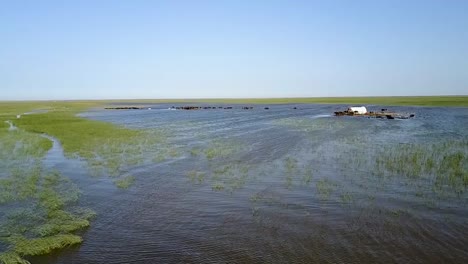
453	101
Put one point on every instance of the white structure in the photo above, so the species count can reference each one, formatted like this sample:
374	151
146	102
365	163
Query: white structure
358	109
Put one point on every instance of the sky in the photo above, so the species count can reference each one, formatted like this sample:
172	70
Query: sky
52	50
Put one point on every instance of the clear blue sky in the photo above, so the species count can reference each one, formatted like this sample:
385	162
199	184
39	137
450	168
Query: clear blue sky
191	49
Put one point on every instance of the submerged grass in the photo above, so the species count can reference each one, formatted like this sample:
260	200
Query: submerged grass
43	218
39	246
125	182
19	148
444	164
38	213
12	258
221	149
324	188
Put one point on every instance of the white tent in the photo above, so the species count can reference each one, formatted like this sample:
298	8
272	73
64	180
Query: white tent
358	109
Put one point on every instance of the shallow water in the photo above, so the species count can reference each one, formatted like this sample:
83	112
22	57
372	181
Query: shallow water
290	186
11	126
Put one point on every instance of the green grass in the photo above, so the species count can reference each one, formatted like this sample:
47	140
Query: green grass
77	135
107	148
11	108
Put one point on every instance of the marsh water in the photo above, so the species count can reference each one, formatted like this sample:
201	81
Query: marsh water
277	185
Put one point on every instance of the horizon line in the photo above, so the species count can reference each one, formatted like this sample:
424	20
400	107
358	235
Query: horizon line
233	98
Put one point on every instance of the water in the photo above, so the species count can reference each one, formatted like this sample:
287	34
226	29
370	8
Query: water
270	209
11	126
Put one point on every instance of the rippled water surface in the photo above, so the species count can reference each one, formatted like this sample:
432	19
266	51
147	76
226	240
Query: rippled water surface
280	185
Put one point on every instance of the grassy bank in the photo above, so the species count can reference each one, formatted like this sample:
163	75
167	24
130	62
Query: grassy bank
107	148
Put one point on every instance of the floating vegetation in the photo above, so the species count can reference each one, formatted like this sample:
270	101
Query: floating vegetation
347	198
195	152
324	188
162	152
222	149
233	176
125	182
307	177
290	164
196	176
218	187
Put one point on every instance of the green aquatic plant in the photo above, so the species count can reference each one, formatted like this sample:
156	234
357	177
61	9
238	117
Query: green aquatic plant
38	246
347	197
236	182
307	177
43	218
19	148
173	153
324	188
211	153
289	181
125	182
223	170
12	258
442	163
290	164
217	187
222	149
195	152
195	176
